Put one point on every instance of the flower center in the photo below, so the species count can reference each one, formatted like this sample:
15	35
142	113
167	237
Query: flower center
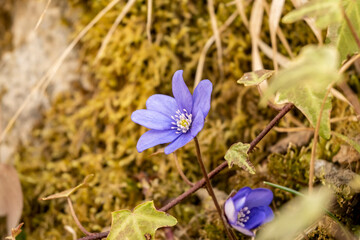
182	121
243	216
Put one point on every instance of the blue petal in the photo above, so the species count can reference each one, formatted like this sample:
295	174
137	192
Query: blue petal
243	230
197	124
269	215
181	92
162	103
240	198
202	97
259	197
154	137
178	143
230	212
256	217
152	119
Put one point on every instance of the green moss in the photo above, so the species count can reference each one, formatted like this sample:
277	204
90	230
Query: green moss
89	130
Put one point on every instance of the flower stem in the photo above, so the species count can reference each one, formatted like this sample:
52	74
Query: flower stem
209	187
73	214
178	167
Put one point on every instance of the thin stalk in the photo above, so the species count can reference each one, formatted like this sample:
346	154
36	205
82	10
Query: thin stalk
316	136
73	214
209	187
183	176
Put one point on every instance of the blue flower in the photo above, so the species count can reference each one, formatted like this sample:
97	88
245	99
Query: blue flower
248	209
174	120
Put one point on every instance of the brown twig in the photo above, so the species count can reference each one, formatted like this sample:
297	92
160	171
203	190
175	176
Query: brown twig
183	176
212	174
78	223
210	188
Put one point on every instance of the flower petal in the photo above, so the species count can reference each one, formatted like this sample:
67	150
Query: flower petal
178	143
152	119
202	97
230	212
181	92
154	137
256	218
197	124
259	197
240	198
269	214
243	230
162	103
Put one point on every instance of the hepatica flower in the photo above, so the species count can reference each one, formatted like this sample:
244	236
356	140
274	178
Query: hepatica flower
249	209
174	120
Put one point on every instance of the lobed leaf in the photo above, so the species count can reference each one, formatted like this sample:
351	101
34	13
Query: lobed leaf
140	224
304	83
325	12
238	154
255	78
15	232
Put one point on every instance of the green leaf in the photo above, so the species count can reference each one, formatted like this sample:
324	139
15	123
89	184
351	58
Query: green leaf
346	43
349	141
237	154
296	216
305	82
140	224
325	12
255	78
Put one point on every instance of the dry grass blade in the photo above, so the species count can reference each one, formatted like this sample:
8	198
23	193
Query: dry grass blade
208	44
309	21
42	15
274	18
107	38
281	59
45	80
210	4
148	22
241	9
256	18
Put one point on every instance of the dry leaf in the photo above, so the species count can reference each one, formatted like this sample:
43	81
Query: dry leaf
11	197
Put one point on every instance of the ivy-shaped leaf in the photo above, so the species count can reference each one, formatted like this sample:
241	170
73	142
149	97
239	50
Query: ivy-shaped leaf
346	43
325	12
139	224
305	82
255	78
237	154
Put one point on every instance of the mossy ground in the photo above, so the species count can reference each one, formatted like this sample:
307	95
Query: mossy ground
89	130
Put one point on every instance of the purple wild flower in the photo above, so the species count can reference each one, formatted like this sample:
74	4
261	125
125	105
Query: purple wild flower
174	120
249	209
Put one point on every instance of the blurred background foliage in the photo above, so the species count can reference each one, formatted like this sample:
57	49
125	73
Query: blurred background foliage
89	130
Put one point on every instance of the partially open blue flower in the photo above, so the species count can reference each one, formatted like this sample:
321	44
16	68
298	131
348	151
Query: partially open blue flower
177	120
249	209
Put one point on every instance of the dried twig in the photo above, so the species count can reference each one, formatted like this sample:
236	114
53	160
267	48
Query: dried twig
42	15
108	36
